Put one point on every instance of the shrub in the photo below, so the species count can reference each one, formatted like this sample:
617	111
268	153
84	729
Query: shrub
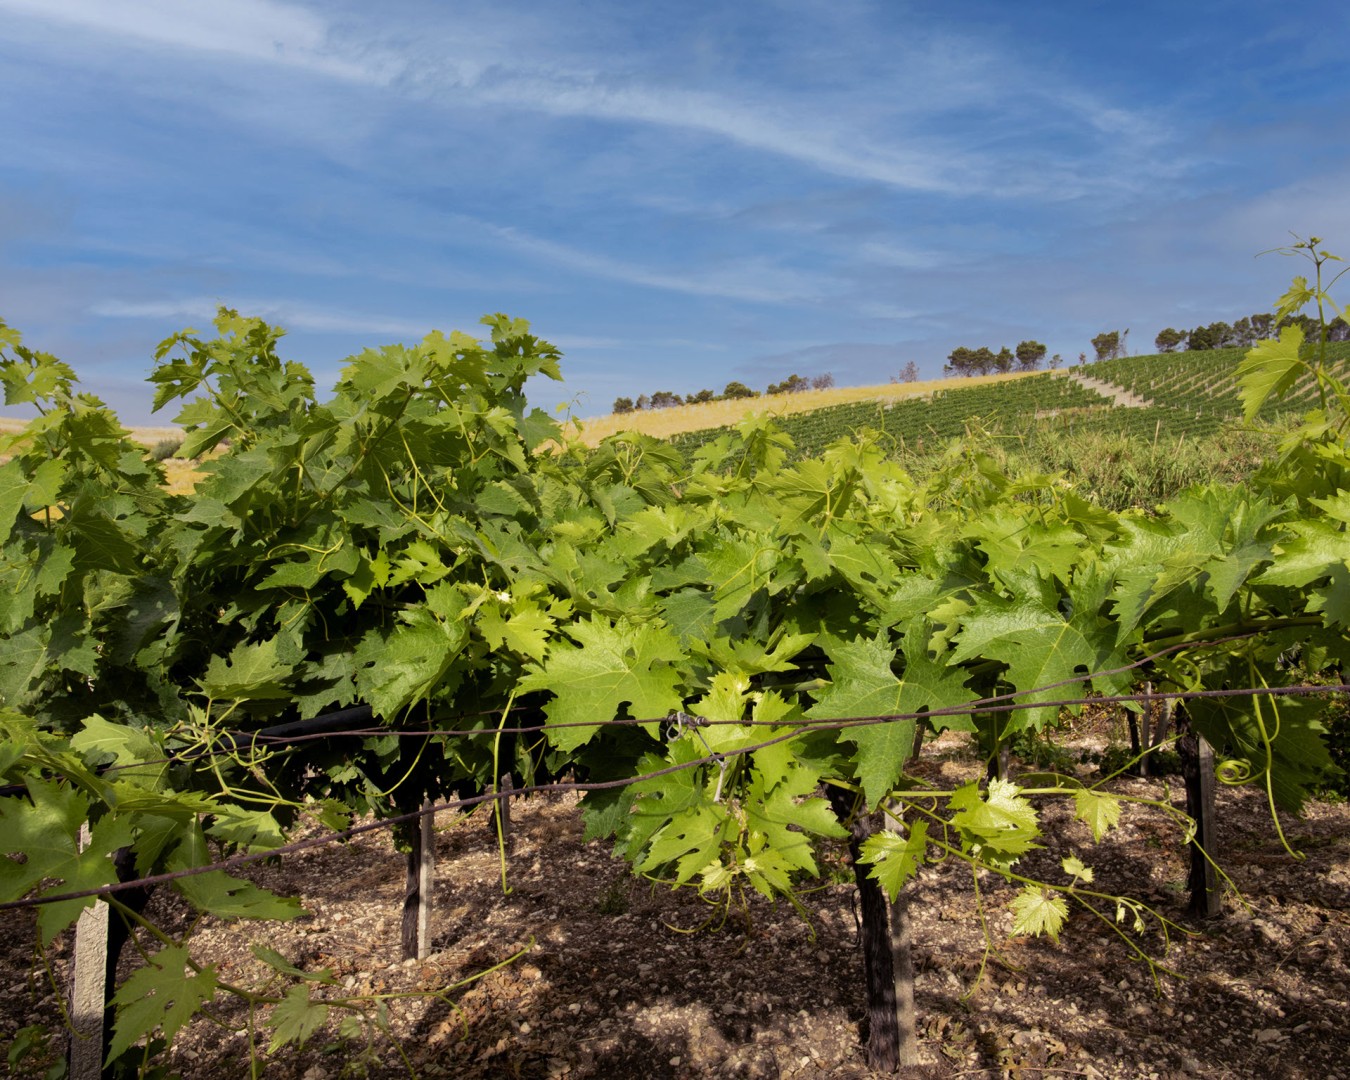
165	449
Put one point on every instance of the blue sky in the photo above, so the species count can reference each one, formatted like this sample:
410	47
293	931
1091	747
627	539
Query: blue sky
676	194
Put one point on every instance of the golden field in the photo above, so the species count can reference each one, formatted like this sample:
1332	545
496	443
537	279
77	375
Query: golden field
663	423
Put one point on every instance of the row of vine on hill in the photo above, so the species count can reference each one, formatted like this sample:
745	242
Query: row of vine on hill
418	542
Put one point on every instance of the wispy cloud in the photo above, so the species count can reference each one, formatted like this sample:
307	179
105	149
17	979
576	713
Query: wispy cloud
681	190
291	315
878	133
261	30
754	279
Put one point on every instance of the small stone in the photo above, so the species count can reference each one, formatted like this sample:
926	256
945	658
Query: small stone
524	1027
1266	1035
574	1008
675	1061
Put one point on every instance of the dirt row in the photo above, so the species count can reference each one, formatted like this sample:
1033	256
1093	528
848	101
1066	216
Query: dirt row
612	982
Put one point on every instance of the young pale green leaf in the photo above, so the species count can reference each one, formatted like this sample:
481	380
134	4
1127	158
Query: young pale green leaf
1296	297
1076	868
1037	911
524	630
998	827
691	840
782	812
1100	811
1270	369
659	800
895	859
164	993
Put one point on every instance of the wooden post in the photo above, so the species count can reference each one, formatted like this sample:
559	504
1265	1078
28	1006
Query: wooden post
1197	762
902	959
412	893
502	811
1146	728
1132	722
1164	721
426	879
88	988
996	750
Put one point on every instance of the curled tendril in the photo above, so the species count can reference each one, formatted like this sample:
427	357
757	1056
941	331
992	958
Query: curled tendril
1234	771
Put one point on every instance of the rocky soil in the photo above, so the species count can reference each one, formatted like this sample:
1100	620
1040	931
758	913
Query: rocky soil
610	981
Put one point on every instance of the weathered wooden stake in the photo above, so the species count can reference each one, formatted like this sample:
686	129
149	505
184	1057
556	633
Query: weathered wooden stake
1146	729
1197	762
502	811
426	879
88	988
412	894
1164	721
902	959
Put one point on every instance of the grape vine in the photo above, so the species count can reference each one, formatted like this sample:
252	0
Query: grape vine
691	635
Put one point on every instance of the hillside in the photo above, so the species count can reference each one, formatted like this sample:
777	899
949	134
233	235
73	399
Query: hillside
1176	394
667	423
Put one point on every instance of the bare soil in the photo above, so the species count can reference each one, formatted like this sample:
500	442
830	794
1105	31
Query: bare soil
612	982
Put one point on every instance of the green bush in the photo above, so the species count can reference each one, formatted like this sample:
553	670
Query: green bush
165	449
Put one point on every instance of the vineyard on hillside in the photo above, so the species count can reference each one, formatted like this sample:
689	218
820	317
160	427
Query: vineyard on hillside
1188	394
414	594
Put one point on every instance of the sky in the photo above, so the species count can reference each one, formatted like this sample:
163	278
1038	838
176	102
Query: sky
676	195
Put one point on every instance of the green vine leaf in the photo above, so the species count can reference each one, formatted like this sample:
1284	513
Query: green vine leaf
1270	369
295	1018
615	663
895	859
1098	810
45	829
1037	910
252	672
997	827
164	994
863	684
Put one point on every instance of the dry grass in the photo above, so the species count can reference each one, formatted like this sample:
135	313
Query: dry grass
181	476
663	423
146	436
